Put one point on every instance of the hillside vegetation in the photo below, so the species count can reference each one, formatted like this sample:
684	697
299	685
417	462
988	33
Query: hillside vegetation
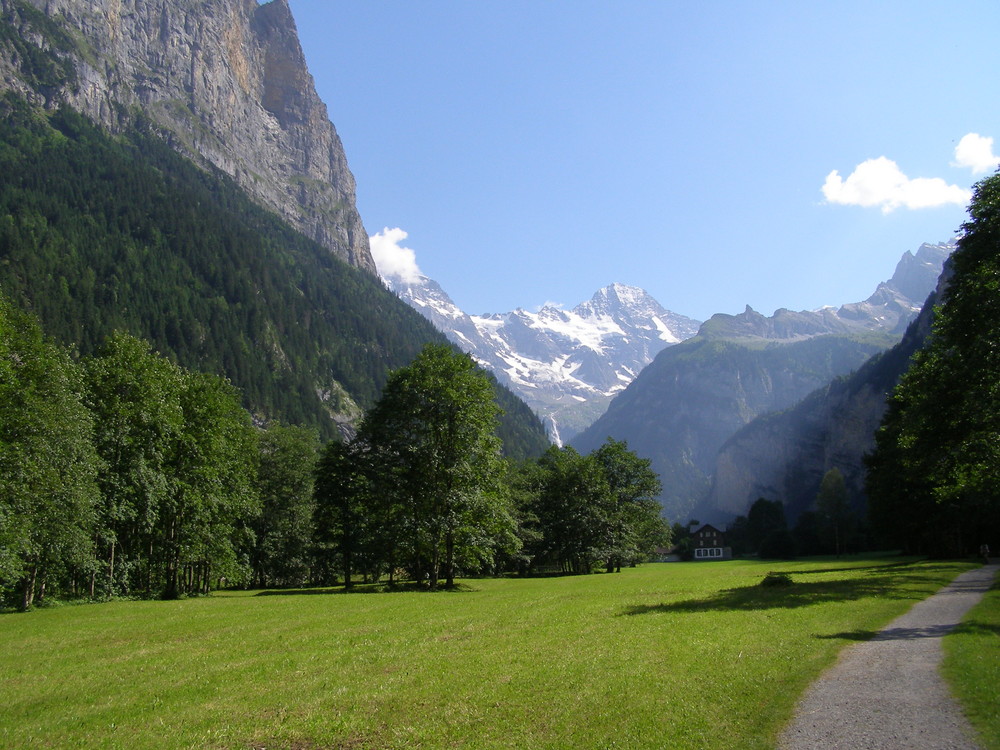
695	395
99	234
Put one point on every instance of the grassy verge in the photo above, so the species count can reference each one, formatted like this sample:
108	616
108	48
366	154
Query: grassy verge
972	667
686	655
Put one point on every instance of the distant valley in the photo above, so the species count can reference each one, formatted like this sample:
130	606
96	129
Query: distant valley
695	396
622	365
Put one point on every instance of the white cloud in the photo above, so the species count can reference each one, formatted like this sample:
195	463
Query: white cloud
975	152
550	304
880	182
392	260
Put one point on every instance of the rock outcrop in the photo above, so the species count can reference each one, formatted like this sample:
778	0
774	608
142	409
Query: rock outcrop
225	81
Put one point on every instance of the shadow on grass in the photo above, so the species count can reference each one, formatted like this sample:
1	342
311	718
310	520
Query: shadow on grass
368	588
857	569
906	634
799	594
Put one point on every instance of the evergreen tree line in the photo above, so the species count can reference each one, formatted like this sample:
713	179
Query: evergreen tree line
102	234
123	474
932	478
829	527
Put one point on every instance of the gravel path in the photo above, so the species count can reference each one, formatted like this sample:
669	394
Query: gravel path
886	693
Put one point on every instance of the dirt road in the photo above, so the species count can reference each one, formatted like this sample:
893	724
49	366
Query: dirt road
886	693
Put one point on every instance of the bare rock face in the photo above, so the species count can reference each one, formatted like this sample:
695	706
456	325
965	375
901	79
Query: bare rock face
224	80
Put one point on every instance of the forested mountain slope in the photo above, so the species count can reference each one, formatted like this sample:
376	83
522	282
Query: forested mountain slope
696	395
100	234
685	405
105	225
783	456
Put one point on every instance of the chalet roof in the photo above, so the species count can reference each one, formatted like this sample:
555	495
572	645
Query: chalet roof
707	528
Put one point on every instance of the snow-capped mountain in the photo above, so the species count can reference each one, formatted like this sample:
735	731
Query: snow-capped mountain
566	364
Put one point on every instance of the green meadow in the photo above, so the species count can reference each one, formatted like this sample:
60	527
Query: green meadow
681	655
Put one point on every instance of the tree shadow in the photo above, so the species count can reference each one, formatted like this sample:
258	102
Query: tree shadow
972	627
369	588
873	566
799	594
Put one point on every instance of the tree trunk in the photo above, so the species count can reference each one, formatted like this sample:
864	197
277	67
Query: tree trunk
449	562
29	589
435	569
111	571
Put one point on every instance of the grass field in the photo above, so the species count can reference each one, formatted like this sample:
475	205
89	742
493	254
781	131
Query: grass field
682	655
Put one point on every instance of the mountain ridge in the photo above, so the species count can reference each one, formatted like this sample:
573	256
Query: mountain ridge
694	396
783	456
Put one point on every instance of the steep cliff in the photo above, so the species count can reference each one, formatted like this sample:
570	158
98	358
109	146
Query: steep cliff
225	81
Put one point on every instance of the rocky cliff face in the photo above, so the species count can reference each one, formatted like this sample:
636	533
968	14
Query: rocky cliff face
224	80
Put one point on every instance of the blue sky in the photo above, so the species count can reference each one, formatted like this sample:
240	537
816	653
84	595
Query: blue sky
535	151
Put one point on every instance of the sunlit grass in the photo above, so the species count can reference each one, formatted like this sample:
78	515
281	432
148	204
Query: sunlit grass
972	667
684	655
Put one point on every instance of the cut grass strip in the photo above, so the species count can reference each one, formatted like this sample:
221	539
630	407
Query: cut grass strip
666	655
972	667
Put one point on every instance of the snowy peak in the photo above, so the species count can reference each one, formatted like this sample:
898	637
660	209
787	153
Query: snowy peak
566	364
617	298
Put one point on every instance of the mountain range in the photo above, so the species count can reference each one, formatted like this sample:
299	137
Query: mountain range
695	396
567	365
168	169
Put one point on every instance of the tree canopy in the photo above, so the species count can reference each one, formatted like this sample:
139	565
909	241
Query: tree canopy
932	476
432	434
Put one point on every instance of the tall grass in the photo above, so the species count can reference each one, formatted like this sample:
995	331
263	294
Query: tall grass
684	655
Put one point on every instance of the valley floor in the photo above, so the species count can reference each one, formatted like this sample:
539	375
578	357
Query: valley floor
666	655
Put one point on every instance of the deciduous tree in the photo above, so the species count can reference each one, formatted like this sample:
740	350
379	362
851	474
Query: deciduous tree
283	532
432	435
48	467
